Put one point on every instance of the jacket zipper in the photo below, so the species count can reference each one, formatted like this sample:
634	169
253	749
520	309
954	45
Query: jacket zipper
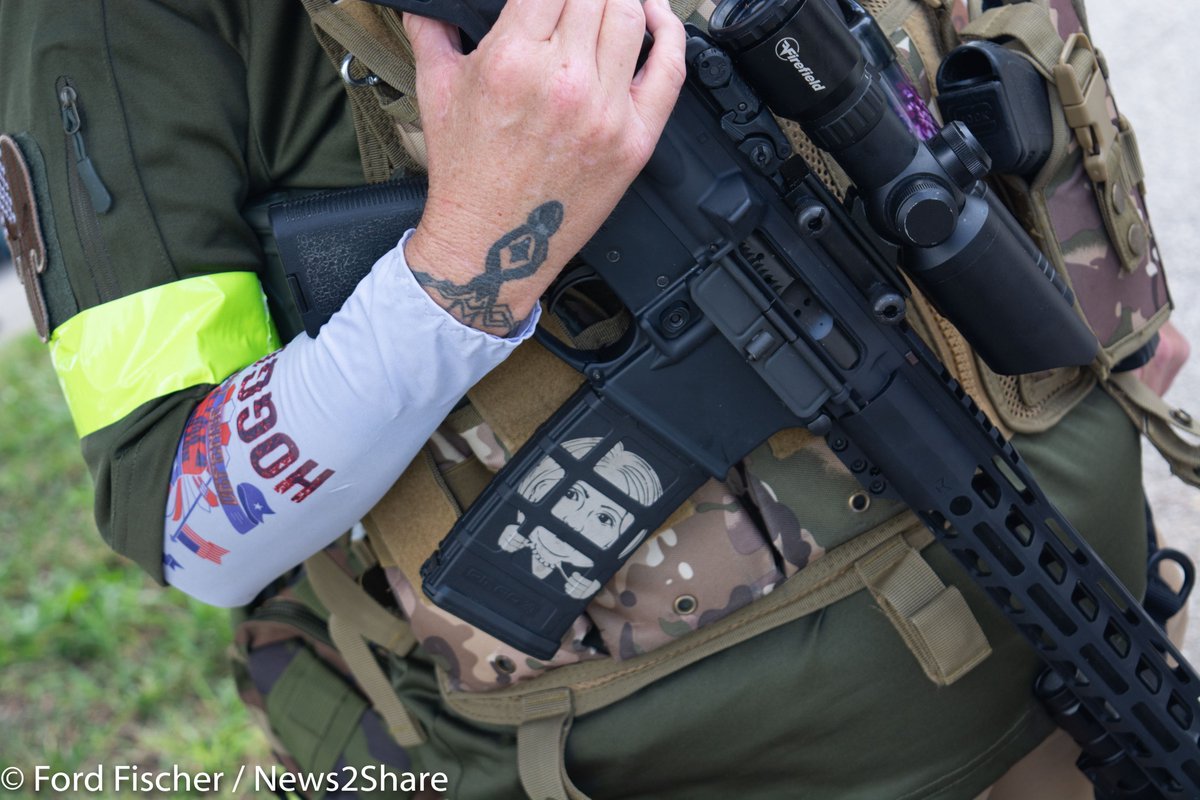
89	195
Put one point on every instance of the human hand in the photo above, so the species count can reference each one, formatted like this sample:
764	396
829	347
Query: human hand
579	587
1173	352
511	539
532	139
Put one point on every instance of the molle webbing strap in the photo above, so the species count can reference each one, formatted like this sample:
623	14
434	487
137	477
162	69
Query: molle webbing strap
378	143
943	11
355	27
936	20
342	595
927	36
1111	155
1164	426
542	744
1030	25
360	27
416	513
531	386
466	480
685	8
386	114
423	505
893	14
374	682
932	618
354	619
1110	152
381	48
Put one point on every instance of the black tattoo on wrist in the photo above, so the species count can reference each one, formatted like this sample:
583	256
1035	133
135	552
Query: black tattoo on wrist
515	255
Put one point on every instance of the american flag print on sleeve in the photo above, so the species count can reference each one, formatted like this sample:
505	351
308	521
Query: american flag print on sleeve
201	482
287	454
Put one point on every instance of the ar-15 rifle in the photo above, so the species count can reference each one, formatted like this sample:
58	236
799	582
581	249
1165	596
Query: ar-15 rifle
759	303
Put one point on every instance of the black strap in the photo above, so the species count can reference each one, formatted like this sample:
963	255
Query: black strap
1162	602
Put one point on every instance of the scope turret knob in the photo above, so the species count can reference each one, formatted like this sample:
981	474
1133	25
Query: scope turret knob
713	67
924	212
961	154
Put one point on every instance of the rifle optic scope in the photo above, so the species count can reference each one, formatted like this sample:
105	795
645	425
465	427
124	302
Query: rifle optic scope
958	243
807	65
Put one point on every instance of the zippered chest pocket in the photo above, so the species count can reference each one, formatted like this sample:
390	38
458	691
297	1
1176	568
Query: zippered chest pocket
89	195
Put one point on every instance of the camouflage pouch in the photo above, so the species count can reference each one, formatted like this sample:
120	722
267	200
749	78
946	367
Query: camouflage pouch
301	691
1085	207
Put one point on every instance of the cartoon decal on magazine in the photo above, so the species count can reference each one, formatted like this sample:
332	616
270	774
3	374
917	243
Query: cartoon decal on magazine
586	510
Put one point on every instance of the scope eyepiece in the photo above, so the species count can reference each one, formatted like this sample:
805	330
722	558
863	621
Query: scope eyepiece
745	23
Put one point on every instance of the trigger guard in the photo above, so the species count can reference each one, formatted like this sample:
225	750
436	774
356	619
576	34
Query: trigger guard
571	278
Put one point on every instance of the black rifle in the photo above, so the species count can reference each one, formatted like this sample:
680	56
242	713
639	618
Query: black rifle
759	303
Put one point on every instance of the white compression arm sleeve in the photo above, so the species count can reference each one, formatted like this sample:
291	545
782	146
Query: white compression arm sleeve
290	452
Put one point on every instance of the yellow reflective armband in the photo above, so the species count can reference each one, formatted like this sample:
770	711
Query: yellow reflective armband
113	357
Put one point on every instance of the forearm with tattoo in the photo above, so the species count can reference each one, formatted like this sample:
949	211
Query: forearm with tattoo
516	255
288	453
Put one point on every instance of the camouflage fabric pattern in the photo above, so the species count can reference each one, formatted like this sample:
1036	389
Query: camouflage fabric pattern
703	12
447	448
913	65
696	571
711	560
475	661
486	446
259	672
451	446
1115	302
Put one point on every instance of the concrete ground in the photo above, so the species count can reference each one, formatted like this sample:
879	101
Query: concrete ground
1156	76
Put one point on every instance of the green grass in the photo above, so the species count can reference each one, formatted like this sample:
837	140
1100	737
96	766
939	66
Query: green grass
98	665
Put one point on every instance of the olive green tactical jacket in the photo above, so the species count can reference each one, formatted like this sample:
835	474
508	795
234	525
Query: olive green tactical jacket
193	117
